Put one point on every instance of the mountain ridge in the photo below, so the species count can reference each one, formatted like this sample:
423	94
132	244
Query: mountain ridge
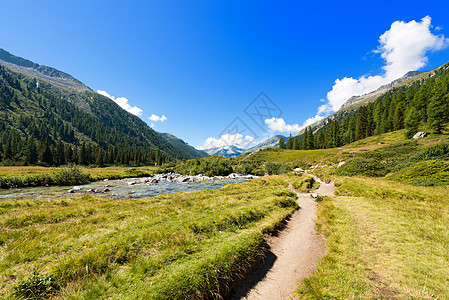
46	102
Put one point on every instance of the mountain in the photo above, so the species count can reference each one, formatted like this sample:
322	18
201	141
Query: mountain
183	146
48	103
272	142
226	151
353	103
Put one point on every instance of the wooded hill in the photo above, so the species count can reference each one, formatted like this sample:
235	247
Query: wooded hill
49	117
422	104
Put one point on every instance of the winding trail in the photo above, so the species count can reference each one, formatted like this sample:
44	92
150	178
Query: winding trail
292	255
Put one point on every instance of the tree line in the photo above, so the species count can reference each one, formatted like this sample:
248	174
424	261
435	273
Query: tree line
30	151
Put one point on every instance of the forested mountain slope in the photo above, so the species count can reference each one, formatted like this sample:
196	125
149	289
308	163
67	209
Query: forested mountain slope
47	106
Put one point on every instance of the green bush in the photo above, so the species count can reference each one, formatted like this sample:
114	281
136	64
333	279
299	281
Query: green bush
70	176
424	173
306	184
362	166
440	151
37	286
276	169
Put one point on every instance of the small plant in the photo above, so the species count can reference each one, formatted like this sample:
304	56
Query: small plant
37	286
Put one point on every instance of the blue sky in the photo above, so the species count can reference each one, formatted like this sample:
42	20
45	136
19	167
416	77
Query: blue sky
196	65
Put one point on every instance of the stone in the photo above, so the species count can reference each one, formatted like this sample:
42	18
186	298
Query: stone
419	135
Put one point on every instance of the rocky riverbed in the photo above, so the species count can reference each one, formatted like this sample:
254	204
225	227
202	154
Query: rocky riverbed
127	188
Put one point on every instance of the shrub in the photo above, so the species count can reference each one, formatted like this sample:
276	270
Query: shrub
424	173
276	169
70	176
440	151
37	286
306	184
362	166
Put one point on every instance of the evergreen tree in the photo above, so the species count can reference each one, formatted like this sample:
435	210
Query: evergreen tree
437	109
45	154
281	143
398	119
30	150
411	122
361	124
290	142
296	144
59	154
7	152
82	156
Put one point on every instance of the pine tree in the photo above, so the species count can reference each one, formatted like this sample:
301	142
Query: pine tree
398	119
45	154
290	142
82	156
281	143
437	109
411	122
361	124
30	150
59	154
7	152
296	145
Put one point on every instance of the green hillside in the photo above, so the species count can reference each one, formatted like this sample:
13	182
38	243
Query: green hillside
41	103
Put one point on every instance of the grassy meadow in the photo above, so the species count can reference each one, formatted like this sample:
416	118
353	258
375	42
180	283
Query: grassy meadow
387	229
386	240
174	246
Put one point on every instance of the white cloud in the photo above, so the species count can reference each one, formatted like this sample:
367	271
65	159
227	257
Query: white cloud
155	118
123	103
228	139
403	47
278	124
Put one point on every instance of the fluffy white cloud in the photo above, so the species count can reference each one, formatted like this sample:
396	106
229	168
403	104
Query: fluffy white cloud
123	103
403	48
278	124
155	118
228	139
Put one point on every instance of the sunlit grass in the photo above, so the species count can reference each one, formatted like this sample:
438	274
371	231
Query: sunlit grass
174	246
385	240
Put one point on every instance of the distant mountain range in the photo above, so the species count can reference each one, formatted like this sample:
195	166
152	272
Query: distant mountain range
46	102
226	151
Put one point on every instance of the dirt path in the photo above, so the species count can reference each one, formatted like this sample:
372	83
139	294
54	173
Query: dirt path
292	255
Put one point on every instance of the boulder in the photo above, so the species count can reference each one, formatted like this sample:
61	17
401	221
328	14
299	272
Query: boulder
420	135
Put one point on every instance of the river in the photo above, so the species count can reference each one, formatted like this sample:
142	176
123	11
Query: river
117	189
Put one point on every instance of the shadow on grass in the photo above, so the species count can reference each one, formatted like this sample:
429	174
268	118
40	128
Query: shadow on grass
254	275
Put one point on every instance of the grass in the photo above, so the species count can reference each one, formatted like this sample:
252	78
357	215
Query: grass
21	176
174	246
426	173
385	240
305	184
